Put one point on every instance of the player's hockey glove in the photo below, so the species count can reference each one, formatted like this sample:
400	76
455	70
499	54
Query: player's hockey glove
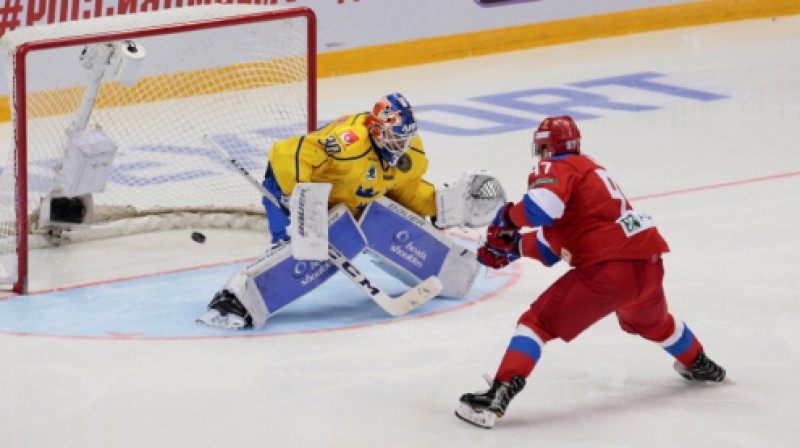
495	258
502	241
502	234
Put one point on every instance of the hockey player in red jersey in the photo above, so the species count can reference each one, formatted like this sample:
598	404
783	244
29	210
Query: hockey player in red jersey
580	215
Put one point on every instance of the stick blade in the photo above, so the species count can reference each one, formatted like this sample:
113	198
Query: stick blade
416	296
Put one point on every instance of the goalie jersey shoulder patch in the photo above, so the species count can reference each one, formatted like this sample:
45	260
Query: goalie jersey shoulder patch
348	137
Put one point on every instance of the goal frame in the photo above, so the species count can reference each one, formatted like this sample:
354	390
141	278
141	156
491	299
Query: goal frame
20	131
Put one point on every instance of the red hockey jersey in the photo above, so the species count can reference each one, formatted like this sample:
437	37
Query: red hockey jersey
582	215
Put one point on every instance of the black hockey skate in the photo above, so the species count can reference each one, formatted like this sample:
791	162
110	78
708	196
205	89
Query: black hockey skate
484	408
226	311
703	369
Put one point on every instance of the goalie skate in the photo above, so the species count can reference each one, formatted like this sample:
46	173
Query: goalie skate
225	311
213	318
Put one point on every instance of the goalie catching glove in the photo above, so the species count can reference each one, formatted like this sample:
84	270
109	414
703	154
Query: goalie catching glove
470	202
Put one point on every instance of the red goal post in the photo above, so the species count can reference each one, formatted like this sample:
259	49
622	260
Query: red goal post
109	116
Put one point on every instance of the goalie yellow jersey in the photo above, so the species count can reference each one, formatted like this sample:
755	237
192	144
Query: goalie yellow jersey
342	155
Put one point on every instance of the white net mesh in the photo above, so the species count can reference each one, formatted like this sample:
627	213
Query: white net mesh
244	82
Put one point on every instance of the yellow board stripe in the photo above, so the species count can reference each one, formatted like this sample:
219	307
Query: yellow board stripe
437	49
170	86
549	33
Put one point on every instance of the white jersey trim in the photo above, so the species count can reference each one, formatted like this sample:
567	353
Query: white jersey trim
540	237
548	201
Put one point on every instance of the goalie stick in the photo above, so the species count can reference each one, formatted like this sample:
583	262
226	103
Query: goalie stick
396	306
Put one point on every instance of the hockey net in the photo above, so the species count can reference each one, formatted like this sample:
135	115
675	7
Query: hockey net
155	84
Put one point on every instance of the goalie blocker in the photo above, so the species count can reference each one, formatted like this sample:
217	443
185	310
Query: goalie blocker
404	245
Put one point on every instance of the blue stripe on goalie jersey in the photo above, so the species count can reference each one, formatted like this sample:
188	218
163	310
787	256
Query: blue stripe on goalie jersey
527	346
356	117
297	159
355	157
536	216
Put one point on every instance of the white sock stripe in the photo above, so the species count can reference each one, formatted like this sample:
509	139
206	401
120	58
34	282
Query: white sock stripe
524	331
679	327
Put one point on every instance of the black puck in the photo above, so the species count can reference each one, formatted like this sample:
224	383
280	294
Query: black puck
198	237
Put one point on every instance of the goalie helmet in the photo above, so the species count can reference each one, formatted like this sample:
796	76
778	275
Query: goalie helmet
556	135
392	126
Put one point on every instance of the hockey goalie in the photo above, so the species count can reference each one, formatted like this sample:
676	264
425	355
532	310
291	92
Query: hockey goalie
356	185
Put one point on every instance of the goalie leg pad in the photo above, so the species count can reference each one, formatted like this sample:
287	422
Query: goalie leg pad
459	271
276	279
410	249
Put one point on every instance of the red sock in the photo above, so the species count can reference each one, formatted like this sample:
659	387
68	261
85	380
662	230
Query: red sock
522	354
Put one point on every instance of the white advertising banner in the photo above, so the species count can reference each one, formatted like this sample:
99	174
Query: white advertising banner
374	22
345	24
342	24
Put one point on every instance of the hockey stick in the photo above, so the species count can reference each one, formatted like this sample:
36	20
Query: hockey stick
396	306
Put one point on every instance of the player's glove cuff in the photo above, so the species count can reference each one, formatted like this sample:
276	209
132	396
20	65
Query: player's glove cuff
502	233
494	258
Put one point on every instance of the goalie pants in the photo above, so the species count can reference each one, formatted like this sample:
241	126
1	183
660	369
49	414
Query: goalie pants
277	217
631	289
